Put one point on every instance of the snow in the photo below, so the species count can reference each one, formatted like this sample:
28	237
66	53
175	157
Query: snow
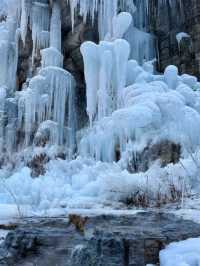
189	80
184	253
85	184
180	36
158	112
9	212
171	76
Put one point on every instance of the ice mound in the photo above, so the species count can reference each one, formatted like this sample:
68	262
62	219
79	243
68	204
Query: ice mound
185	253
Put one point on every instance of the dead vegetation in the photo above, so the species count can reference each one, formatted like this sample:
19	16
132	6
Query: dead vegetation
37	164
145	199
78	221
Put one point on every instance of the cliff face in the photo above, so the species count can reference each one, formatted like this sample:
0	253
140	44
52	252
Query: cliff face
166	22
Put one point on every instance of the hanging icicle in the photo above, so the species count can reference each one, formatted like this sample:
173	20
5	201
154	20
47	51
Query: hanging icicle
55	28
40	26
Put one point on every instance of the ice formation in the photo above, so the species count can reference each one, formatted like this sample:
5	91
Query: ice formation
139	107
129	108
185	253
107	10
181	35
9	53
105	72
48	97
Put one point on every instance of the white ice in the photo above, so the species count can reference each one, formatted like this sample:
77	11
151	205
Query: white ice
184	253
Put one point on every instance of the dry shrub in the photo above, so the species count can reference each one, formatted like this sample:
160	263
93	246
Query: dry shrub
37	165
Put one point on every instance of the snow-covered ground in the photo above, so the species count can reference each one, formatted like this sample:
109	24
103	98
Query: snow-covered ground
85	183
184	253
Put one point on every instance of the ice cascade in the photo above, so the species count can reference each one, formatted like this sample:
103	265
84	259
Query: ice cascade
43	112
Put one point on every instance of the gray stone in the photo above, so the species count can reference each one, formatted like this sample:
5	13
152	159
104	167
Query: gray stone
129	240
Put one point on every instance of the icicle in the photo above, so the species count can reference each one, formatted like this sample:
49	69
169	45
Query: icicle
9	53
73	6
26	7
142	45
90	54
105	93
60	83
105	68
55	29
3	94
51	57
40	25
46	99
106	11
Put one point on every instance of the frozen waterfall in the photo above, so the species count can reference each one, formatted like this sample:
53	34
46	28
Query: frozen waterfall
45	108
133	113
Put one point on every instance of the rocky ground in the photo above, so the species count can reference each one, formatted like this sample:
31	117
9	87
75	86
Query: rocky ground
105	240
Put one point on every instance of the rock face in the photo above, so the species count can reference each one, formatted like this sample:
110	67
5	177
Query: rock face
165	151
73	61
166	22
131	240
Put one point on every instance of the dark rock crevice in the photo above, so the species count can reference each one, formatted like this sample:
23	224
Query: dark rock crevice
165	23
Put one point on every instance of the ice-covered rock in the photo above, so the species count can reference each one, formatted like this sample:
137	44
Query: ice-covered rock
171	76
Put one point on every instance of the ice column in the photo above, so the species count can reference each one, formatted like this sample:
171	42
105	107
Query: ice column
8	53
40	26
47	105
106	10
26	8
105	67
55	29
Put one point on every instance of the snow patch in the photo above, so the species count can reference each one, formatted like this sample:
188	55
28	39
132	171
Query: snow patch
184	253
